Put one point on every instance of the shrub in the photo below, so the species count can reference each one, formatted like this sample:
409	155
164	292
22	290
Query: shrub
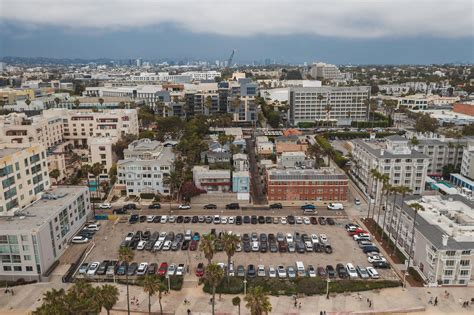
233	285
176	283
415	275
147	195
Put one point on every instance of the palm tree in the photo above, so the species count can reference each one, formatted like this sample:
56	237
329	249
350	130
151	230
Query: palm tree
77	102
258	301
375	175
54	303
57	101
126	255
328	109
152	285
385	185
85	170
235	102
208	103
315	152
173	181
236	302
96	170
230	242
213	275
159	106
394	191
28	102
101	101
207	246
403	190
415	207
109	296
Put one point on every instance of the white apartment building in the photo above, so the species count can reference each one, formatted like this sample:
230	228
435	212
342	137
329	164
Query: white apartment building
23	175
467	164
101	152
146	164
310	104
441	151
31	243
212	181
325	71
443	249
395	158
203	75
147	93
241	162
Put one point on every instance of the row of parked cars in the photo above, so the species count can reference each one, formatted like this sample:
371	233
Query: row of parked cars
238	220
111	268
363	239
158	241
86	234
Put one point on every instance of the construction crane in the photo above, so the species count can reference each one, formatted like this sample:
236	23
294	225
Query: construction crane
229	61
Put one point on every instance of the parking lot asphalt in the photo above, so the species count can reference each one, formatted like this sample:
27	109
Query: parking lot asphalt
111	234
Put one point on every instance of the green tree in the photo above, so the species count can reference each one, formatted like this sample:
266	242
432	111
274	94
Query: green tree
375	175
213	276
77	102
109	296
86	169
315	152
152	285
126	254
208	103
113	174
54	303
57	101
28	102
230	242
55	174
448	170
101	101
207	246
236	302
425	123
415	207
258	301
273	119
96	170
149	134
174	181
468	130
384	179
414	141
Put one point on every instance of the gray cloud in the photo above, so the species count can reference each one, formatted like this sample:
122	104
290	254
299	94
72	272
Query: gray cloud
334	18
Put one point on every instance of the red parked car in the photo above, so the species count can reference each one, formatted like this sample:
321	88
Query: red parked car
193	245
163	269
357	231
200	270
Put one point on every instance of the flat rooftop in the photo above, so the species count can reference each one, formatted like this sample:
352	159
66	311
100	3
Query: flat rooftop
9	151
40	211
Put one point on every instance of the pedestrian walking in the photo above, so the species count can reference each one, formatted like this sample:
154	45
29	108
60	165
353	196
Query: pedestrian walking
299	306
189	311
370	303
430	300
296	303
436	301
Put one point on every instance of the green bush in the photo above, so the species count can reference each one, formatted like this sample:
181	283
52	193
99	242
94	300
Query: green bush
147	195
233	285
306	125
370	124
176	283
415	275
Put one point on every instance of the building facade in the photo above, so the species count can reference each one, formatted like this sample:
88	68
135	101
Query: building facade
325	184
443	246
212	181
310	104
30	244
23	175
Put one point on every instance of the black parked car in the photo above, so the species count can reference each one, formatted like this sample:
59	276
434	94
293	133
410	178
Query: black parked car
300	248
122	269
154	206
185	245
195	219
381	264
130	206
268	220
133	218
341	271
276	206
263	247
290	219
273	247
251	273
254	219
232	206
157	219
247	247
102	268
313	220
238	220
246	219
142	218
119	211
210	206
322	220
146	235
261	219
330	221
132	269
187	219
180	219
330	271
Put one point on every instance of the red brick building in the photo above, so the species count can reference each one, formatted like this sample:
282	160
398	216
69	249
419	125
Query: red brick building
306	184
464	108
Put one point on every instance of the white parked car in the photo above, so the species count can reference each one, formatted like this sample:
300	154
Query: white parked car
188	235
361	236
299	220
351	271
184	207
150	218
314	238
311	271
231	269
323	238
217	219
79	240
255	247
281	271
162	237
272	272
93	268
231	220
141	245
306	220
261	271
167	245
180	270
164	219
289	238
376	258
158	246
373	273
129	236
171	269
142	268
224	220
105	205
172	219
93	227
283	220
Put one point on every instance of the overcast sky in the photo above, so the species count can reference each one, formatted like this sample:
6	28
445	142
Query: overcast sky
361	31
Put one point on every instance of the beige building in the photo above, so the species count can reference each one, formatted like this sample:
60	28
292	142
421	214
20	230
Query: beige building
101	152
23	174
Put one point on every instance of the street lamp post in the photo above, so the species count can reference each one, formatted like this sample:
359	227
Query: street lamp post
327	288
245	286
169	284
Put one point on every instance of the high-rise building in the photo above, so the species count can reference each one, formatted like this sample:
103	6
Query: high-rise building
326	71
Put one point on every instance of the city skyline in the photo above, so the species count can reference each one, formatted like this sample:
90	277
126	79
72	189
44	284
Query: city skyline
372	32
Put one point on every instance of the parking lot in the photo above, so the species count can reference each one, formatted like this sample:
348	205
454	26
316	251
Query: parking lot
111	234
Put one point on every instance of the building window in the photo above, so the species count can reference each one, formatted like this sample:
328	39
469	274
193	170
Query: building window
29	268
449	263
464	273
7	268
17	268
450	253
465	262
448	272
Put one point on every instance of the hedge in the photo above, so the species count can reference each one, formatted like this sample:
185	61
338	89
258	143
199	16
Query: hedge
356	134
370	124
307	286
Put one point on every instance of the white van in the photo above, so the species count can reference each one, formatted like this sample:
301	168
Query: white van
300	269
335	206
